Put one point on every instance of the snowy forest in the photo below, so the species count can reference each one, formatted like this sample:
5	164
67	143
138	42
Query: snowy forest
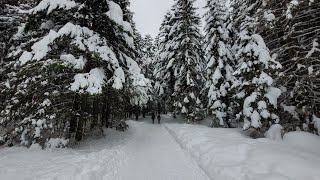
70	69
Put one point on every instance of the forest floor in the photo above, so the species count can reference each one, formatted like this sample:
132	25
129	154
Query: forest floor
168	151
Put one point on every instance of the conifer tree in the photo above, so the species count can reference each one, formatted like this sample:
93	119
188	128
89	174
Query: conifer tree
255	71
294	37
73	56
10	20
11	23
148	51
138	43
161	86
220	62
181	60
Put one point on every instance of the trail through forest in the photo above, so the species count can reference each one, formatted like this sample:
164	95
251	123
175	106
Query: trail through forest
146	151
154	154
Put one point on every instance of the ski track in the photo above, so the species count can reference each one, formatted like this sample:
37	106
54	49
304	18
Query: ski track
144	152
155	155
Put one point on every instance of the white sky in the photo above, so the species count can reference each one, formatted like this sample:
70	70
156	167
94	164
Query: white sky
150	13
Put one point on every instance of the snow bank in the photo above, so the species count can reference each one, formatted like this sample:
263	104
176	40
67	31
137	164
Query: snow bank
303	140
93	159
226	154
57	143
316	122
275	132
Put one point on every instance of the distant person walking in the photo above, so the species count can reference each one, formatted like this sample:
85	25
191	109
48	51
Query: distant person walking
153	117
159	118
137	113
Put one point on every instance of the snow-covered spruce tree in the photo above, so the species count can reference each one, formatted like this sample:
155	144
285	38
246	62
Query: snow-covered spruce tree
294	36
148	51
141	93
147	56
11	23
74	56
183	61
8	27
220	62
10	20
301	57
160	62
138	43
255	72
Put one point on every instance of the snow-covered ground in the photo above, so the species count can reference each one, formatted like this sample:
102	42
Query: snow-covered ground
155	155
146	151
92	160
227	154
170	151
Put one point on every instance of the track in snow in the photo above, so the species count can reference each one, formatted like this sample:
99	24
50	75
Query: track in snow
153	154
145	152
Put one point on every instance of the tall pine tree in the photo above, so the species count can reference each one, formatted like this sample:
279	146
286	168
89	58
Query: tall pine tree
181	60
255	71
162	88
220	62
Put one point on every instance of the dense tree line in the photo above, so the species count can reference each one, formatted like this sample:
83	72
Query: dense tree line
261	62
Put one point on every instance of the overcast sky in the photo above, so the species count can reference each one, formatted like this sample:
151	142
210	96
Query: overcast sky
150	13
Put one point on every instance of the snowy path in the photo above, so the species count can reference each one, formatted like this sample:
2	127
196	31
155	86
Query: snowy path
154	154
144	152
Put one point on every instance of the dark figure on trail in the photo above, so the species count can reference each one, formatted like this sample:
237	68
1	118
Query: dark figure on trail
159	118
144	111
153	117
159	107
137	112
